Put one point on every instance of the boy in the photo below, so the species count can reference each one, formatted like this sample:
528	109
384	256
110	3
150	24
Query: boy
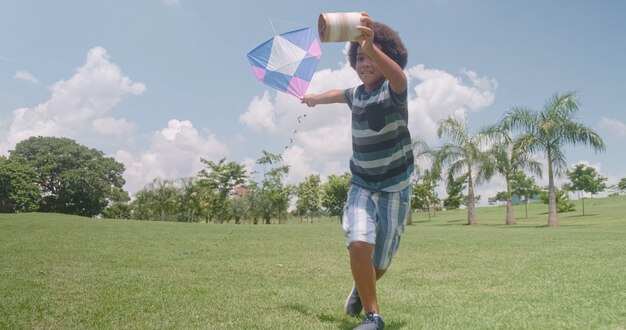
381	163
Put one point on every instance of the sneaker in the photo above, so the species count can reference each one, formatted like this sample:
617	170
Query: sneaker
353	305
372	322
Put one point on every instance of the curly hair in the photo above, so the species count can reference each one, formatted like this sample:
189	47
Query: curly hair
389	42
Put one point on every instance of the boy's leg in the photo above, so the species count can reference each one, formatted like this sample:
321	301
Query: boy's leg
391	209
372	244
364	274
359	224
354	305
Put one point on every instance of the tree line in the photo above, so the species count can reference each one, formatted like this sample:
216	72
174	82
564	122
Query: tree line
51	174
510	148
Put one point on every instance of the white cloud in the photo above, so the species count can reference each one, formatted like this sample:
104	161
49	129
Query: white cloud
299	163
260	115
439	94
318	139
614	126
171	2
497	183
596	166
79	108
174	152
249	164
112	126
77	105
486	190
26	76
322	142
4	143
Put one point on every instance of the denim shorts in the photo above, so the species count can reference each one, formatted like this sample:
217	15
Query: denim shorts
376	218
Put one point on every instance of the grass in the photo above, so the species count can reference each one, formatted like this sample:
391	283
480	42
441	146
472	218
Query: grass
59	271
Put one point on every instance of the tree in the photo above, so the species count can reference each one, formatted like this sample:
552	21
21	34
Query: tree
161	196
549	131
272	196
73	178
525	187
622	184
335	194
501	196
268	158
423	151
562	200
221	177
510	161
586	179
424	195
253	209
464	155
141	207
454	190
189	199
19	187
118	207
179	199
308	193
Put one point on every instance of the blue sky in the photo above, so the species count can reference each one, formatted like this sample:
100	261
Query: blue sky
157	84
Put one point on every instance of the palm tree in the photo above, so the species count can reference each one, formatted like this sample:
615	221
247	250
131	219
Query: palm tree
550	131
421	151
510	161
464	156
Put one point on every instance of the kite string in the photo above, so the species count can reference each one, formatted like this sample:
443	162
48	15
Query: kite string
293	135
281	21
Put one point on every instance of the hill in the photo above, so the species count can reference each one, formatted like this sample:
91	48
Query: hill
63	271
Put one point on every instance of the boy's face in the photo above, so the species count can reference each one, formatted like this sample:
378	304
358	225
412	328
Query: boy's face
368	71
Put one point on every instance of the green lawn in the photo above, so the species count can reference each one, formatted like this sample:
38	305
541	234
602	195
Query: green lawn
59	272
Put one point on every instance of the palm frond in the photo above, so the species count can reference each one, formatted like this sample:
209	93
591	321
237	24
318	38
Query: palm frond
562	105
421	148
535	167
458	168
527	143
454	129
575	133
486	166
559	165
448	153
496	133
520	118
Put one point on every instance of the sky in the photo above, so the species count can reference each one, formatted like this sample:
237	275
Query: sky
160	84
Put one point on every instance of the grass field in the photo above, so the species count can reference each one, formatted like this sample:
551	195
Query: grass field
65	272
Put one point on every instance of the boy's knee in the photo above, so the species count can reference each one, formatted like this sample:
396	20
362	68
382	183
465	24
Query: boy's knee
360	245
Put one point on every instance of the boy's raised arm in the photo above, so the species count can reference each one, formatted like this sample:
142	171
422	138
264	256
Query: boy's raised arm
328	97
390	69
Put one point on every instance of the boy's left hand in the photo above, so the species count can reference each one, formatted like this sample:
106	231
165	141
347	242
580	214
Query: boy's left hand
366	39
309	100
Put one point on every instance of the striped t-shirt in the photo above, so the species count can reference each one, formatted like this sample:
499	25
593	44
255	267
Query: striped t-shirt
382	155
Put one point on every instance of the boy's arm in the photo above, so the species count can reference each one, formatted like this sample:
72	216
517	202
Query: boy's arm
331	96
390	69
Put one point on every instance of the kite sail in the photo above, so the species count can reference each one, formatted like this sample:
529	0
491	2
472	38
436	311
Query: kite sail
287	61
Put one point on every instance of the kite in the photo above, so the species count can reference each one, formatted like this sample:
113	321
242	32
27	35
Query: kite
287	61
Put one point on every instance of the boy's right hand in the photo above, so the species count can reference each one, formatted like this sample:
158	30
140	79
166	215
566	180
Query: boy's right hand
309	100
